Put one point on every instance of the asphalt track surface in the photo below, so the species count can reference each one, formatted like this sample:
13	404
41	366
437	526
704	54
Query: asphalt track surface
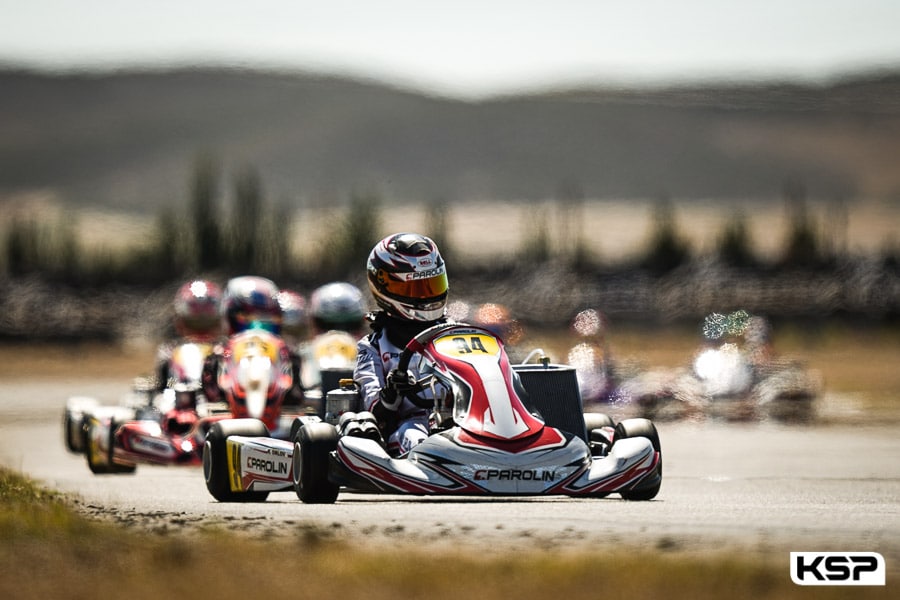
757	488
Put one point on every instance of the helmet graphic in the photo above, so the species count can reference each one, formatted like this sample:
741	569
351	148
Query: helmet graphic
251	302
338	306
197	305
408	278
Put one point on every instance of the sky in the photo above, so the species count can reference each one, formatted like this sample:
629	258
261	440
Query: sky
464	48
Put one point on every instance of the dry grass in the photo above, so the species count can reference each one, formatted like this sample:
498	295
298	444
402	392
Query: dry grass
61	555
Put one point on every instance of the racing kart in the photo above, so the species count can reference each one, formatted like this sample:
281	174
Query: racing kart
150	425
254	374
496	430
733	376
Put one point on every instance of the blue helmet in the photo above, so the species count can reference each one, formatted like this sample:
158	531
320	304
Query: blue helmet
251	302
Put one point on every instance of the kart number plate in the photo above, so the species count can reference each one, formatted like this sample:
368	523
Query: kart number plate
467	345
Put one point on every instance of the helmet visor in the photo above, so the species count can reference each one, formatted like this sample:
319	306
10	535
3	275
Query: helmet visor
421	286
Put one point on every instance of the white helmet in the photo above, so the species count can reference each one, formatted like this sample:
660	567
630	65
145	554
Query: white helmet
337	306
408	278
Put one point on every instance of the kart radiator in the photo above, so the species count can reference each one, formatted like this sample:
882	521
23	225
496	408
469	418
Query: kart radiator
553	392
331	380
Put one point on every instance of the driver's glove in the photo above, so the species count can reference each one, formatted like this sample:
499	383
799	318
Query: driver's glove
397	386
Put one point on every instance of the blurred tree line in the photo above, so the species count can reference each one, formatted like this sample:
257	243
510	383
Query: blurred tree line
206	234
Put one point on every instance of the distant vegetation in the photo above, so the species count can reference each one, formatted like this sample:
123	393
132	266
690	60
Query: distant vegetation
56	289
254	235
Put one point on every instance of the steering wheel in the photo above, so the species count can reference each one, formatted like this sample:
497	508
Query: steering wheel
414	347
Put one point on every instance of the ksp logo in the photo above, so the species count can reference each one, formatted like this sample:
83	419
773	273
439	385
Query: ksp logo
837	568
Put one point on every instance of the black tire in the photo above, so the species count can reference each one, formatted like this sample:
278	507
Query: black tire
598	440
594	420
215	458
647	488
313	444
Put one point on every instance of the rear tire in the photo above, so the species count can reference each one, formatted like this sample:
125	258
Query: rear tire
648	487
215	458
313	444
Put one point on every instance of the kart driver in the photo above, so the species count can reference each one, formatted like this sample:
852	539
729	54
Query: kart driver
250	302
197	320
408	280
337	320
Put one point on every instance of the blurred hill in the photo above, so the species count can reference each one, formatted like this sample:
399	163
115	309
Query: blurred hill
129	140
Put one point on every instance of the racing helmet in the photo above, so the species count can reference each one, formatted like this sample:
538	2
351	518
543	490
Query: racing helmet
197	304
293	313
408	278
251	302
337	306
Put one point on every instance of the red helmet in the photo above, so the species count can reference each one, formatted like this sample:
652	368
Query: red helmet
408	277
197	306
251	302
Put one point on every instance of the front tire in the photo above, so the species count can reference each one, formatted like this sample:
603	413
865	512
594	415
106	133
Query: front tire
595	420
215	458
313	444
648	487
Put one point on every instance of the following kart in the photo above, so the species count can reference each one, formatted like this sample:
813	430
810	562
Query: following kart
257	377
254	374
496	430
150	425
734	376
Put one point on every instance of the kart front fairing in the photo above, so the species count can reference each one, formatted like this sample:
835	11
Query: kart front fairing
255	374
454	463
484	392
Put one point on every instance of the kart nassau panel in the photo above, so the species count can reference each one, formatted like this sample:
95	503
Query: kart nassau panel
259	464
476	361
254	374
456	463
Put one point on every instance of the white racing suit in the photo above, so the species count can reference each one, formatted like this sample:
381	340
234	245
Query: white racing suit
376	356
